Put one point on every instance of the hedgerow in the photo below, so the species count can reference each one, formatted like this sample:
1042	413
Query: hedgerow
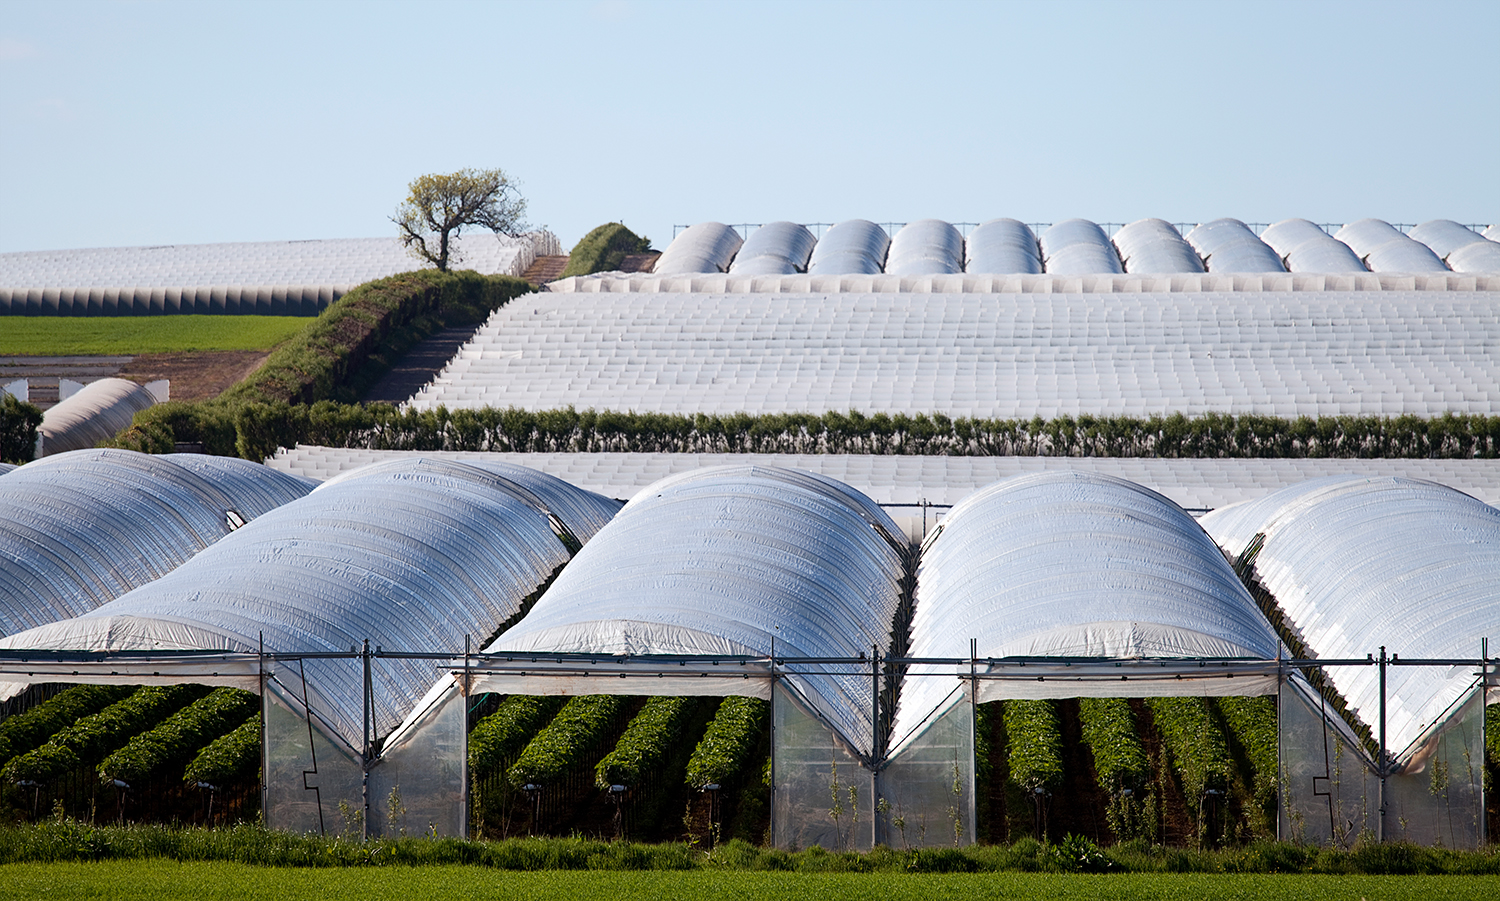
647	742
504	733
171	745
604	249
227	758
94	737
1120	762
18	424
29	730
579	726
1034	740
729	743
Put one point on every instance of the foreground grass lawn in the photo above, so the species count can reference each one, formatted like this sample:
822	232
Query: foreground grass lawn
162	880
52	336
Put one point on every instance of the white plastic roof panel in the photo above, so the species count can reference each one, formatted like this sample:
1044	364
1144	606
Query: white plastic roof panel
1078	247
97	412
1481	256
80	529
1360	563
1383	248
1443	236
1003	246
6	467
705	247
732	560
1492	233
1304	247
852	247
1072	564
1228	245
926	247
1155	245
414	557
776	248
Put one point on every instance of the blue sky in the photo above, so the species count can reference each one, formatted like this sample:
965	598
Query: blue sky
129	123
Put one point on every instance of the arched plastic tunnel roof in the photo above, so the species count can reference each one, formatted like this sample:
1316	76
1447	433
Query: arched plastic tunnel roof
412	555
96	413
1072	564
1358	563
733	560
82	528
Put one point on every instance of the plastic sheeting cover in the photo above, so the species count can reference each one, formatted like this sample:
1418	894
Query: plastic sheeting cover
733	560
1003	247
1305	247
776	248
1443	236
1228	245
96	413
852	247
1357	563
1155	246
1383	248
1078	247
80	529
1071	564
926	247
705	247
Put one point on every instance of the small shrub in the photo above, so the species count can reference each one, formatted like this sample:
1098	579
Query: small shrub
18	424
604	249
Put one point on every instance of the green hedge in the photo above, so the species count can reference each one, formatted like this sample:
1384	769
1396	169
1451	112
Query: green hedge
93	738
1120	763
604	249
729	744
1034	737
168	748
29	730
227	758
18	424
649	740
578	727
505	733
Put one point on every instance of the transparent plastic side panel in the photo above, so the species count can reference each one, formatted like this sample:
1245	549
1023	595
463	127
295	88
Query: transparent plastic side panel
1328	794
926	792
821	794
1438	798
417	785
312	780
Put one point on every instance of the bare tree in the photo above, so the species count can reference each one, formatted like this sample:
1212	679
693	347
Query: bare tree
438	207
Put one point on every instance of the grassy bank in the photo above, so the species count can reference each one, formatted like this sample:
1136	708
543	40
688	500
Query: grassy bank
55	336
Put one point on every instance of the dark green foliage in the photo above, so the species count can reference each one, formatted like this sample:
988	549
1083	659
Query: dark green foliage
729	744
92	738
18	424
1492	734
1121	764
1252	723
1199	752
1035	744
166	749
27	731
604	249
227	758
650	739
581	724
504	734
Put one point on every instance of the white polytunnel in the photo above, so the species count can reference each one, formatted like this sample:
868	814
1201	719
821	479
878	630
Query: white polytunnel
1356	563
1492	233
1228	245
1078	247
413	555
97	412
6	467
80	529
1153	246
776	248
852	247
926	247
1458	246
705	247
1002	247
735	561
1383	248
1305	247
1077	565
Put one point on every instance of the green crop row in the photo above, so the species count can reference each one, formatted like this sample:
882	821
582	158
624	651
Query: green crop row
227	758
94	737
1034	739
1492	734
504	733
1200	755
171	745
647	742
604	249
29	730
1121	764
1253	724
729	742
18	424
579	726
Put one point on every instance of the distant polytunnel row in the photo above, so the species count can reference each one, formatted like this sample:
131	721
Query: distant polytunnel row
1081	247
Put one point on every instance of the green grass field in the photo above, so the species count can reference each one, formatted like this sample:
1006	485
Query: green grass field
52	336
160	880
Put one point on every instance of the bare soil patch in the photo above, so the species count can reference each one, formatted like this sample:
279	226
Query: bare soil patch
195	376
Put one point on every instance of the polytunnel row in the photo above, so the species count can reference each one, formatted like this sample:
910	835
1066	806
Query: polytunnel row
1081	247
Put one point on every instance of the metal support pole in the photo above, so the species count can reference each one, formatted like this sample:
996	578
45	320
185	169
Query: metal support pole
1381	763
364	765
464	791
875	745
